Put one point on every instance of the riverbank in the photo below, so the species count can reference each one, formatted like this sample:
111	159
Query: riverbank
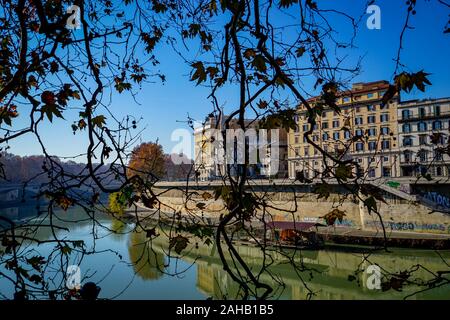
339	235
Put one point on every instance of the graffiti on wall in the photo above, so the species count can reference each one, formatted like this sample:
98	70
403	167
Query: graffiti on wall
411	226
405	187
437	198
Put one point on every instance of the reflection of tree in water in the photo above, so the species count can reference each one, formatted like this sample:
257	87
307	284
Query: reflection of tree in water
118	228
147	263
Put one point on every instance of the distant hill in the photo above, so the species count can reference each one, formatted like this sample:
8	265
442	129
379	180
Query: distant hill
17	169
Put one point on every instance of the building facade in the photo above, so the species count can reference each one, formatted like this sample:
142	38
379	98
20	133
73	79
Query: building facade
392	140
210	160
424	127
362	115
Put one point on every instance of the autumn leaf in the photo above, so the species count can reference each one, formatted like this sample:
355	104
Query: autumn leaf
249	53
148	202
322	190
48	97
199	72
179	243
206	196
287	3
99	121
121	85
371	204
151	233
344	172
201	205
262	104
259	63
334	215
300	51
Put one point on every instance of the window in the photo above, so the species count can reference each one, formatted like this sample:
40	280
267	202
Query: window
407	156
422	112
406	128
370	95
335	123
406	114
372	132
336	148
422	139
423	170
407	142
346	99
359	132
306	151
357	109
371	107
371	119
359	146
385	130
346	134
372	173
358	120
325	125
304	138
315	138
439	171
295	139
297	128
372	145
423	155
438	155
437	125
422	126
305	127
325	136
297	152
437	110
336	135
386	172
384	117
385	144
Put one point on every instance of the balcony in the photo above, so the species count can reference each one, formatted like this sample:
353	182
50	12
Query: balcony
426	116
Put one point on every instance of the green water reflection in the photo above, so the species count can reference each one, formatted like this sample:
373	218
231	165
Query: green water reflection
130	267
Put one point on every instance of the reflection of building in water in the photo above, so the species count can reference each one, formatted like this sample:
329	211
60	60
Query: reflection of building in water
147	263
326	274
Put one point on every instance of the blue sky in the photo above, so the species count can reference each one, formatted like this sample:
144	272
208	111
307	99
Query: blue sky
163	105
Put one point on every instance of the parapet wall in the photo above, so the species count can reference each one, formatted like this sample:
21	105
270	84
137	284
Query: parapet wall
299	203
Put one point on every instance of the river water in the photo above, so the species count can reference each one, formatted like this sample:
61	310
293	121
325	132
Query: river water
126	266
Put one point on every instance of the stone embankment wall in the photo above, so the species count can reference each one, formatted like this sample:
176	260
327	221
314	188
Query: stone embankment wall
299	203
